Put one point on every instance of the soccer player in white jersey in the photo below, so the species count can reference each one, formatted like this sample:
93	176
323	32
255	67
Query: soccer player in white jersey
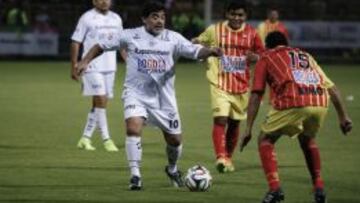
98	79
149	94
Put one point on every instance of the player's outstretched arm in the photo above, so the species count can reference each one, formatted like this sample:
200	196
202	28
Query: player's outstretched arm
344	119
94	52
253	108
207	52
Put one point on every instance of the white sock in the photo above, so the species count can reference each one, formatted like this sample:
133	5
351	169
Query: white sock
90	125
102	123
134	153
173	154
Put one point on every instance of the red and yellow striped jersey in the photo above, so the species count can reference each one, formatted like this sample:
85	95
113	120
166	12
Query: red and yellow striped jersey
294	77
230	72
266	27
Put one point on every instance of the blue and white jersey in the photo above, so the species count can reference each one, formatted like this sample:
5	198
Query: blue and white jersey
150	63
92	27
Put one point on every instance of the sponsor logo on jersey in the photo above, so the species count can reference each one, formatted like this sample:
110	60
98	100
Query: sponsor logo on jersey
148	51
151	65
306	77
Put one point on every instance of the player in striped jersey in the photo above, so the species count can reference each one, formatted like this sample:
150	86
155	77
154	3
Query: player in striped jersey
228	77
271	24
300	93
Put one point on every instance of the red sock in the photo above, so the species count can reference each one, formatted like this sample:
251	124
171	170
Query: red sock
269	163
218	136
232	136
312	156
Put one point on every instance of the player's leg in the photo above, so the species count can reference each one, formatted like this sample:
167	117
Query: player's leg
277	123
135	115
311	151
92	85
101	105
173	152
268	159
313	162
221	109
90	126
237	113
232	137
169	122
133	148
219	142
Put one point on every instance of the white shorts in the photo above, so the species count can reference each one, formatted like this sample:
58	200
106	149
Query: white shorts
98	83
167	119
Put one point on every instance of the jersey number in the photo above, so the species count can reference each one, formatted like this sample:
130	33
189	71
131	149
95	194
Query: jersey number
173	124
299	60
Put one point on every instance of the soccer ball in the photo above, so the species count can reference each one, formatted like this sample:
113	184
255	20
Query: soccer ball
198	179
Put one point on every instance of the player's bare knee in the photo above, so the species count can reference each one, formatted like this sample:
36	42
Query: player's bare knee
272	137
100	101
173	140
134	126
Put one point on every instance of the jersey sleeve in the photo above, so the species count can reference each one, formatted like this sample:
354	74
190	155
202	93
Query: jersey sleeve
260	75
326	82
258	46
208	36
115	41
186	49
80	30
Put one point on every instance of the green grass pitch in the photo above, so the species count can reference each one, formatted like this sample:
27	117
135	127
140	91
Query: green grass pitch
42	114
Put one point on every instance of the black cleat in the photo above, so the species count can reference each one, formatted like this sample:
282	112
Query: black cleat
319	196
135	183
175	178
274	196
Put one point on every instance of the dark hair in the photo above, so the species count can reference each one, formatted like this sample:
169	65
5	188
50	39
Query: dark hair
235	5
151	7
274	39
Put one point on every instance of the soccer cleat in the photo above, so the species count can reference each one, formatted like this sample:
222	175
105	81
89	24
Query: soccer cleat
221	165
229	167
85	143
135	183
110	146
274	196
175	178
224	165
319	196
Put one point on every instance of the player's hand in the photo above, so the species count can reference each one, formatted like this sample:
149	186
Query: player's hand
251	56
346	125
244	140
74	74
80	68
216	51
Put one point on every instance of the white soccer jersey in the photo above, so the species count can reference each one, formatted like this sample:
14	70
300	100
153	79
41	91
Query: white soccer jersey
92	27
150	74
